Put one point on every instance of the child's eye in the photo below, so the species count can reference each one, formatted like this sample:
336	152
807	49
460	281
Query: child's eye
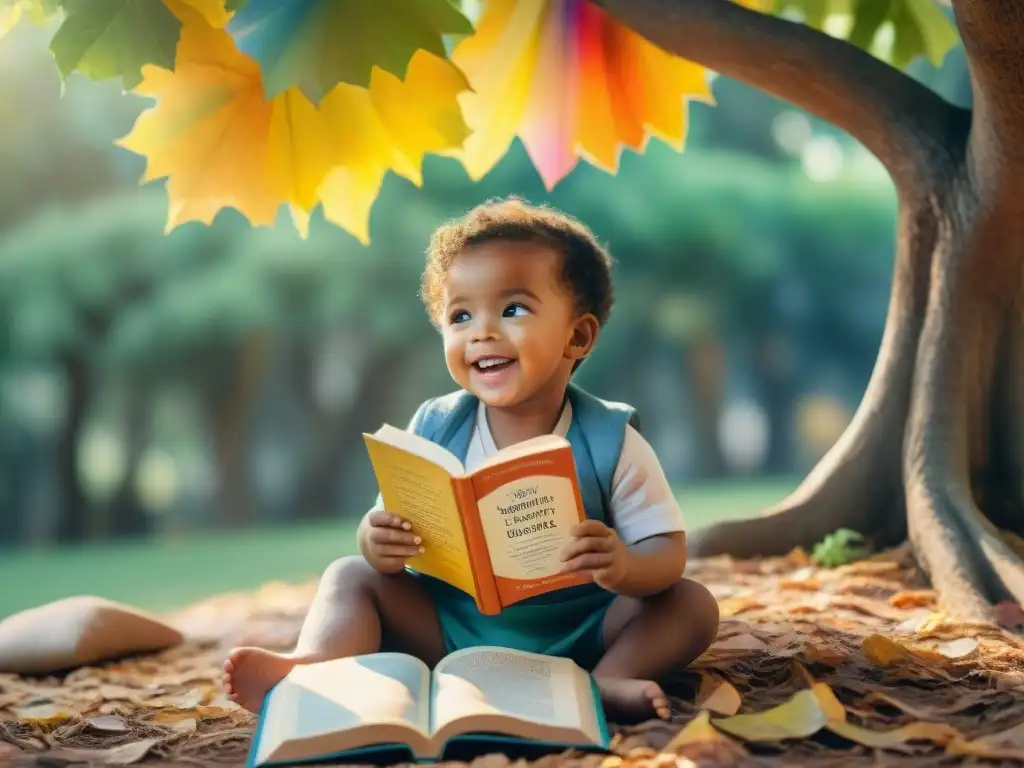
511	310
459	316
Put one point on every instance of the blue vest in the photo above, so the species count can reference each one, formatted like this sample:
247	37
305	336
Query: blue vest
567	622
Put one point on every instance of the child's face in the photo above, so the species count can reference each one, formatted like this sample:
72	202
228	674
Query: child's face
509	326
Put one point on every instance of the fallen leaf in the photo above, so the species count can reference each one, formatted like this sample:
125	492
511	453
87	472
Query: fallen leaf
882	651
897	738
126	754
744	642
797	718
876	568
718	696
108	724
833	708
816	603
957	649
46	717
697	730
913	598
734	606
1004	745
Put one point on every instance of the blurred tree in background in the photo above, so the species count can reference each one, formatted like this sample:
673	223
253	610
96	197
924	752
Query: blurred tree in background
222	376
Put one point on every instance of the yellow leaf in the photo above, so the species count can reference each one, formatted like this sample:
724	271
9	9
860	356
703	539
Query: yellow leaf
938	733
834	710
798	718
392	125
697	730
886	652
1004	745
209	132
571	82
212	12
13	11
718	696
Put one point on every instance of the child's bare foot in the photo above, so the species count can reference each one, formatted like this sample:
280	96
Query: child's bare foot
250	672
633	700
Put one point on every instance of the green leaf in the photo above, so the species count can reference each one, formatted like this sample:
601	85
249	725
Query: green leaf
839	548
920	27
105	39
316	44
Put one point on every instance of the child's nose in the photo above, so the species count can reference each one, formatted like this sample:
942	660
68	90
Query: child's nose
485	327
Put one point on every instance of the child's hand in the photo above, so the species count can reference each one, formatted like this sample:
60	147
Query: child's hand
598	550
390	542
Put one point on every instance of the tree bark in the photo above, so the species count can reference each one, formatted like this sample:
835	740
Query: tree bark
941	425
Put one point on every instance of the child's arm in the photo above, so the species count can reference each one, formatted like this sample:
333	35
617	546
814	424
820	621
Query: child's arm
645	568
645	553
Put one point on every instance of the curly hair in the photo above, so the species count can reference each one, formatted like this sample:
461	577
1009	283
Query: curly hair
586	266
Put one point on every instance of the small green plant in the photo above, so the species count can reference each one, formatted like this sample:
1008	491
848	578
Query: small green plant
839	548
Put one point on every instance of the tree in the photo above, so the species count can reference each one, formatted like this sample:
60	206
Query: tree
939	436
936	449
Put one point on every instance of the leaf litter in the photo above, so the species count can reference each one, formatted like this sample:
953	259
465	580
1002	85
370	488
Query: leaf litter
816	666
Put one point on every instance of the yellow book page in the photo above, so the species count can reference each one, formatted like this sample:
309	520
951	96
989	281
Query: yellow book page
422	492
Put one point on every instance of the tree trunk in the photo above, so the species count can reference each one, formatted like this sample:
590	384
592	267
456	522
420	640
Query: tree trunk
940	427
704	363
382	372
127	517
229	409
73	511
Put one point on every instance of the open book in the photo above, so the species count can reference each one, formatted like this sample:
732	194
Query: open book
391	707
496	533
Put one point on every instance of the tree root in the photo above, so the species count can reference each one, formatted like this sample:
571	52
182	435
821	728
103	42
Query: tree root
932	422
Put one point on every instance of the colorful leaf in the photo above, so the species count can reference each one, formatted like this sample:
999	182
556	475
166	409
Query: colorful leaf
571	82
390	126
208	131
799	717
313	43
115	38
699	729
718	696
220	143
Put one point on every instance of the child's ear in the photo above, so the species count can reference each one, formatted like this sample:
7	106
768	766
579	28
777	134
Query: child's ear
584	335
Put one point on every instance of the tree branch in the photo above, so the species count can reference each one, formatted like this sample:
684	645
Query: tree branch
896	118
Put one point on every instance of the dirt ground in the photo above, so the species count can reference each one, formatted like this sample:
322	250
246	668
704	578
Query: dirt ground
819	667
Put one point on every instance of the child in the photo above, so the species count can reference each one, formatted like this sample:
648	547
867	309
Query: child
519	295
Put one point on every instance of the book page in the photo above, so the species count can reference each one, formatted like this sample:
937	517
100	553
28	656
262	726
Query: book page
421	491
514	692
321	709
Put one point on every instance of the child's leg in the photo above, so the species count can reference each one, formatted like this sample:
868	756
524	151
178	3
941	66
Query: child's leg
356	609
647	638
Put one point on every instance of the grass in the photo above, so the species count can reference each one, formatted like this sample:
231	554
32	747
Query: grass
165	574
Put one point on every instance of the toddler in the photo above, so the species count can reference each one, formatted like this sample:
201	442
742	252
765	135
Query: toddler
519	295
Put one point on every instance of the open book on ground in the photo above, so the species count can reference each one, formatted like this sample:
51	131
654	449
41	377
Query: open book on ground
391	708
496	533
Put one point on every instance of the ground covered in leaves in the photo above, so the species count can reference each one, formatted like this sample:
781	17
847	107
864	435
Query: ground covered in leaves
812	666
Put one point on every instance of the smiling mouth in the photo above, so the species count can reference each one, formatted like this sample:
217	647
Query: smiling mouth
493	364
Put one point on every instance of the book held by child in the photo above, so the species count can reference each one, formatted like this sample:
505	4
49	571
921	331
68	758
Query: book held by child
496	533
392	707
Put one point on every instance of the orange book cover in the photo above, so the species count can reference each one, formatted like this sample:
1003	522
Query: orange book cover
496	533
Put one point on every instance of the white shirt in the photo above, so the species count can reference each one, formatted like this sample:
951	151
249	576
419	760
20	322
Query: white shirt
642	502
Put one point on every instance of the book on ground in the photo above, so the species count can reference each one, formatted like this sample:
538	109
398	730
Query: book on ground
496	533
392	707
